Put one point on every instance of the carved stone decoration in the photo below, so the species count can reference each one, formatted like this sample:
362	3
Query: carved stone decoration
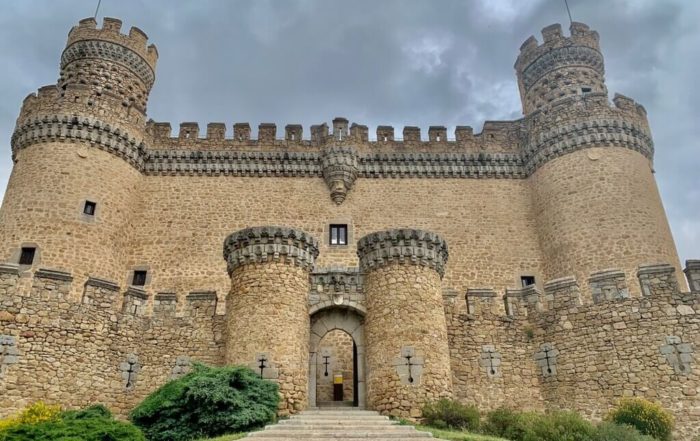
340	170
129	370
409	366
678	354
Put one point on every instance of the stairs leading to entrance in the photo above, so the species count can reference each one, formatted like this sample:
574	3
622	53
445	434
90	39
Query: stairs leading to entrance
338	425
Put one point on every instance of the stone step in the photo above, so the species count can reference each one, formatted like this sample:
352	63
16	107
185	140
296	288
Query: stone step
331	423
357	427
348	434
338	411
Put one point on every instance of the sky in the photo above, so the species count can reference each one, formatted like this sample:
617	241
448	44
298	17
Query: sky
378	62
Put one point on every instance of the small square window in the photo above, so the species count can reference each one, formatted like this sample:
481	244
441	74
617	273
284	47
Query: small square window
527	280
26	257
339	235
89	208
585	90
139	278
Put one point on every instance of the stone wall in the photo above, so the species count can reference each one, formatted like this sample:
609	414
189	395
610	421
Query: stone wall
555	351
75	354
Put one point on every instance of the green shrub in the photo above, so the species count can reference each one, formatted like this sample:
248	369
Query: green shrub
535	426
451	414
499	421
647	417
207	402
92	424
607	431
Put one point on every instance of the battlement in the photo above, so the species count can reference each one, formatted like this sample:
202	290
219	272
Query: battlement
136	40
553	38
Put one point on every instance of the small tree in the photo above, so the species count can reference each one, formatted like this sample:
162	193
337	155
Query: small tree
647	417
208	401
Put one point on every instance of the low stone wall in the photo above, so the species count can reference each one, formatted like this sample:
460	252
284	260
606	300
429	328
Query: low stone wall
76	354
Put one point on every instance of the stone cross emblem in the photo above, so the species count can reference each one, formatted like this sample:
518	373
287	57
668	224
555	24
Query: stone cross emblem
546	359
8	352
129	370
264	366
678	354
409	366
491	360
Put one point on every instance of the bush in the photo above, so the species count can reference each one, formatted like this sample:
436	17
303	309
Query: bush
647	417
451	414
535	426
607	431
33	414
92	424
207	402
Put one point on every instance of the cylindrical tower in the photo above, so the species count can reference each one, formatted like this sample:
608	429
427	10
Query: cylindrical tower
592	180
407	357
267	312
77	150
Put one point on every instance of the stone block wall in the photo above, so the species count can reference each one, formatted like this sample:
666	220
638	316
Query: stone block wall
337	346
77	353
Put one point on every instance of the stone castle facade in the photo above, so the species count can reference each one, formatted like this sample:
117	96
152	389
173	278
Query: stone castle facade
562	290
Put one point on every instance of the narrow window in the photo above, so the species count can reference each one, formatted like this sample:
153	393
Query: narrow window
527	280
339	235
26	257
89	208
585	90
139	278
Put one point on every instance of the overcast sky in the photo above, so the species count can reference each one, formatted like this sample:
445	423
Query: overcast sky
375	62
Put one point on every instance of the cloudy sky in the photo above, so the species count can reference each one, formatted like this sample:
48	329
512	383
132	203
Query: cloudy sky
396	62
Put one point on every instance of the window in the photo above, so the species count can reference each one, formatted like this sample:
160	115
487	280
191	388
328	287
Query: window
585	90
139	278
339	235
26	257
89	208
527	280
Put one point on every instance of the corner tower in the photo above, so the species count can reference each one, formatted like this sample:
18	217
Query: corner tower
80	143
594	193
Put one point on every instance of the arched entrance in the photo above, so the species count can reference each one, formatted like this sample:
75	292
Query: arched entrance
330	351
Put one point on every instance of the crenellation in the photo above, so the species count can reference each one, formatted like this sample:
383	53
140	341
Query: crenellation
562	294
216	131
692	274
319	133
552	33
411	135
359	132
267	133
481	301
135	301
112	25
241	132
201	303
385	134
340	128
293	132
188	130
608	285
658	280
437	134
165	305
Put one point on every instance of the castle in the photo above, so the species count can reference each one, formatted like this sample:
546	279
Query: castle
528	265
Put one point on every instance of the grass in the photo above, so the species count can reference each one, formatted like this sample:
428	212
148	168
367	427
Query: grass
456	435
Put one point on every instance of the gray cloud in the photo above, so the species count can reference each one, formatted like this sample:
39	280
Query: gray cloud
398	62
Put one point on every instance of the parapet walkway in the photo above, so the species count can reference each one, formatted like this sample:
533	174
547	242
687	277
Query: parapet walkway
339	425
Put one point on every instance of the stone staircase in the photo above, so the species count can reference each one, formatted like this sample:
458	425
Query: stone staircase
337	425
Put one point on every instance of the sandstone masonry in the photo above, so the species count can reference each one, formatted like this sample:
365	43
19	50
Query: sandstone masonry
563	288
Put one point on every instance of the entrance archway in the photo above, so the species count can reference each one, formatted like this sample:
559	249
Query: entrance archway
324	323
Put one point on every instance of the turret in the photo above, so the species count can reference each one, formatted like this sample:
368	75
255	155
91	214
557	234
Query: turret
78	151
560	67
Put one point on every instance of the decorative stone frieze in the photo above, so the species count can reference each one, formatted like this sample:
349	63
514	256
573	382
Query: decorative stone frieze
579	56
608	285
106	50
9	354
64	128
546	359
490	361
339	171
406	246
336	287
261	244
678	354
129	370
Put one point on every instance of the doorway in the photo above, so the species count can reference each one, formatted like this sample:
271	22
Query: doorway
336	359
